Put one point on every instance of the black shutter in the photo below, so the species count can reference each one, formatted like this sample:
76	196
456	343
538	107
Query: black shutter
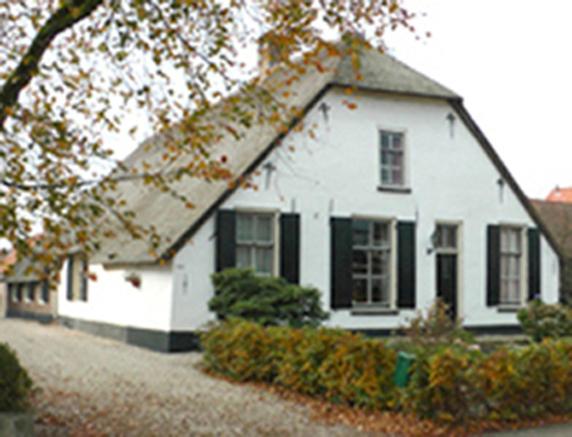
84	279
31	291
534	288
225	239
290	247
493	265
341	262
70	278
46	291
406	265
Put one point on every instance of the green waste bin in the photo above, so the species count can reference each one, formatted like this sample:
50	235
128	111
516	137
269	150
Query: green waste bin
403	368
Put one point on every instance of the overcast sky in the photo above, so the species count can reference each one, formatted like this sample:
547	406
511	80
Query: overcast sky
511	61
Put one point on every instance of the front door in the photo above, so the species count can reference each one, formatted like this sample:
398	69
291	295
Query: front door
446	240
447	281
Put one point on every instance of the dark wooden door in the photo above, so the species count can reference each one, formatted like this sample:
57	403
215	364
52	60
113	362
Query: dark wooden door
447	281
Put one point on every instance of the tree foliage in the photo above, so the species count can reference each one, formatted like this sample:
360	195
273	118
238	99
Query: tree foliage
72	72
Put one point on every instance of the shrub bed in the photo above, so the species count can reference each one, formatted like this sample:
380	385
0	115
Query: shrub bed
15	384
340	366
449	383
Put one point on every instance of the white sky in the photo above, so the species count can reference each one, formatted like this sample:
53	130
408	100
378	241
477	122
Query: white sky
511	61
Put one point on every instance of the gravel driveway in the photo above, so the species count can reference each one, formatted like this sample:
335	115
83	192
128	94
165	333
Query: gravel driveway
92	386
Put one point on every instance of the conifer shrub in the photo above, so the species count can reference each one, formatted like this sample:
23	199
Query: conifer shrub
539	320
269	301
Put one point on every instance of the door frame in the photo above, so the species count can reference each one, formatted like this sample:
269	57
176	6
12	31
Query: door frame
459	252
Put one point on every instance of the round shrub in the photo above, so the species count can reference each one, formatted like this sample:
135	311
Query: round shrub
15	384
539	320
265	300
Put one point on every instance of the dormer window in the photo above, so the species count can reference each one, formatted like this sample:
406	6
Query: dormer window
392	159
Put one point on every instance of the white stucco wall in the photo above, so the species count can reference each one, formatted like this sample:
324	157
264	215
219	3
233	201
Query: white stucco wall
337	174
111	299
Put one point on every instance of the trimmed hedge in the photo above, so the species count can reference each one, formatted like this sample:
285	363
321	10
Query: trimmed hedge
454	383
15	384
337	365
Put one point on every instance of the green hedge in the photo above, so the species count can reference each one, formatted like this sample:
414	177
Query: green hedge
15	384
454	383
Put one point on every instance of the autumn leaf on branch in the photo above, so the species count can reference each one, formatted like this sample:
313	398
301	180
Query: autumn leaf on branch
74	72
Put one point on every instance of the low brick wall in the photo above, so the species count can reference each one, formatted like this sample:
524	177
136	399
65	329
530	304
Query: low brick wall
16	425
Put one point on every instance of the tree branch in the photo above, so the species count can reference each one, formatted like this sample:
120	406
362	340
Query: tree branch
70	13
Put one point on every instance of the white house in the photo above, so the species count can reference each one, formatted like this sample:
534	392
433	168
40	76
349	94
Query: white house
383	208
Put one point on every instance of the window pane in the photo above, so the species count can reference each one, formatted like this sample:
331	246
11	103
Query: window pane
398	159
380	290
264	261
264	229
360	232
360	290
504	292
244	227
359	264
397	177
505	270
397	141
243	257
516	241
385	158
514	268
381	234
385	176
380	262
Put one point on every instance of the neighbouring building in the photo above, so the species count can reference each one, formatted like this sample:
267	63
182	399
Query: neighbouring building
382	207
24	293
560	195
557	216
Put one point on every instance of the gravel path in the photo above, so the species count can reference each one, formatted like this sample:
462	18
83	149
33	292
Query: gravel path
91	386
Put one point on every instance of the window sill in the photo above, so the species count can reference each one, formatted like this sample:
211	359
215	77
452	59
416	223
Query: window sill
373	311
509	308
390	189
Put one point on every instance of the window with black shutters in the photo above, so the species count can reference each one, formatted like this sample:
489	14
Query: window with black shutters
255	242
511	266
372	250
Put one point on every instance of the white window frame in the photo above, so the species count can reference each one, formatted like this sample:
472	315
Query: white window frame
405	158
391	222
273	214
523	265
